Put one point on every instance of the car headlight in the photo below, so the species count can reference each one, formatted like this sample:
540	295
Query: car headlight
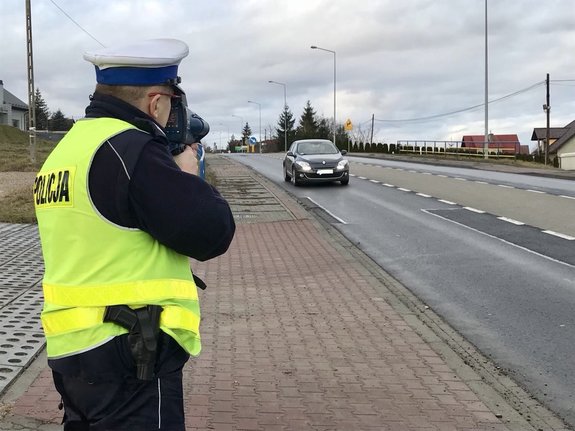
304	166
342	164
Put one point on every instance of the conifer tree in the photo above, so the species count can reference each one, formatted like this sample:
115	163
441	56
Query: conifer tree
59	122
246	133
308	124
41	111
286	117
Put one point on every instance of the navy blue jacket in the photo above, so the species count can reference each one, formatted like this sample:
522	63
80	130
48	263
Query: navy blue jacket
134	182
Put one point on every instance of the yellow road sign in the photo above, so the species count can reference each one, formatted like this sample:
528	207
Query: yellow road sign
348	126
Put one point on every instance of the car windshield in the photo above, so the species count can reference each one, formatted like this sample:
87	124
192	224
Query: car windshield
316	148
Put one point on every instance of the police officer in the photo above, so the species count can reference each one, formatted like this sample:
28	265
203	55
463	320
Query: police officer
118	217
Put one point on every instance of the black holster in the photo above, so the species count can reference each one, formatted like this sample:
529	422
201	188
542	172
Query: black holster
143	325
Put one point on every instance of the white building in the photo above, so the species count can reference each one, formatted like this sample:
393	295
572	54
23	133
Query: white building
564	148
13	112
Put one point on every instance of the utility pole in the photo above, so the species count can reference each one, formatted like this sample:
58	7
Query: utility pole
547	109
372	119
31	95
486	143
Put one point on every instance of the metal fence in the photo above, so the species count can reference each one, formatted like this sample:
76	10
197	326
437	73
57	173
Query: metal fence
456	148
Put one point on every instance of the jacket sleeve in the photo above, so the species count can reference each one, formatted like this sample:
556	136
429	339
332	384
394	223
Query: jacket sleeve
180	210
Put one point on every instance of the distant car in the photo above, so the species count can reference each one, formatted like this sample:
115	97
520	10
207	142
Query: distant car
315	160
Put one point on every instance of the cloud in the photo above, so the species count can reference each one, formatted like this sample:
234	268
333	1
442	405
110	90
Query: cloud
395	60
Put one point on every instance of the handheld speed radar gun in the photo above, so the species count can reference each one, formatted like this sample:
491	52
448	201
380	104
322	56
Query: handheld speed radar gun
186	128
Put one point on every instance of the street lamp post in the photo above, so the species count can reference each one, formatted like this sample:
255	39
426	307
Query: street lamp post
334	92
260	135
285	112
228	135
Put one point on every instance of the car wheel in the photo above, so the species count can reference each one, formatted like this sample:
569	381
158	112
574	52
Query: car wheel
345	182
294	179
287	178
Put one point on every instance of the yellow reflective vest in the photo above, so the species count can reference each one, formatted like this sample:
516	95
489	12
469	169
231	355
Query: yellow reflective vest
91	263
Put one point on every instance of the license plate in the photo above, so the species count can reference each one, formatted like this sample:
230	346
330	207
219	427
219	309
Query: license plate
324	171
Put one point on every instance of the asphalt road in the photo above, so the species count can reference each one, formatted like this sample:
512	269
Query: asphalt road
493	253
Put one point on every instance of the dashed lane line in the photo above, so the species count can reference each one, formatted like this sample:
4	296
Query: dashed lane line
455	178
560	235
446	202
475	210
505	219
510	220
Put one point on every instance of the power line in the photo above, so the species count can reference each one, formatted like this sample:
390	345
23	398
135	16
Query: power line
563	82
564	85
74	21
470	108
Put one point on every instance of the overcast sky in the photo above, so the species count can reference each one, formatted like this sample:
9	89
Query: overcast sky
396	60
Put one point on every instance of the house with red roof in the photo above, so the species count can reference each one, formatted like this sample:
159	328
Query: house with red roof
498	144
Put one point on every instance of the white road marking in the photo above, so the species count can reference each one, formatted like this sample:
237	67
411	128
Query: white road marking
500	239
327	211
447	202
423	195
560	235
510	220
475	210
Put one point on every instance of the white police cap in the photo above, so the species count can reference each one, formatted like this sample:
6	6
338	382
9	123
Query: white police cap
150	62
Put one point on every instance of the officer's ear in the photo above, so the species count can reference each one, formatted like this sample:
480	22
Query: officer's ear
154	105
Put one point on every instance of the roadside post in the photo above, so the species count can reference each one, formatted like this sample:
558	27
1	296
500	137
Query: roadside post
348	126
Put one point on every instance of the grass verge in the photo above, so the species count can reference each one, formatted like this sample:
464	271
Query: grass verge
18	207
15	156
16	153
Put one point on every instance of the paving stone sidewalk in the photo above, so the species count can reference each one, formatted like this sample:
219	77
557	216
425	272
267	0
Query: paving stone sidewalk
299	335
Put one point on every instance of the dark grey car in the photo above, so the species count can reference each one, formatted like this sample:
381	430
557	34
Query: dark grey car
315	160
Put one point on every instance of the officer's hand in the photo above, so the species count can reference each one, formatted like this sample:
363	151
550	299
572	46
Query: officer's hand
188	160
